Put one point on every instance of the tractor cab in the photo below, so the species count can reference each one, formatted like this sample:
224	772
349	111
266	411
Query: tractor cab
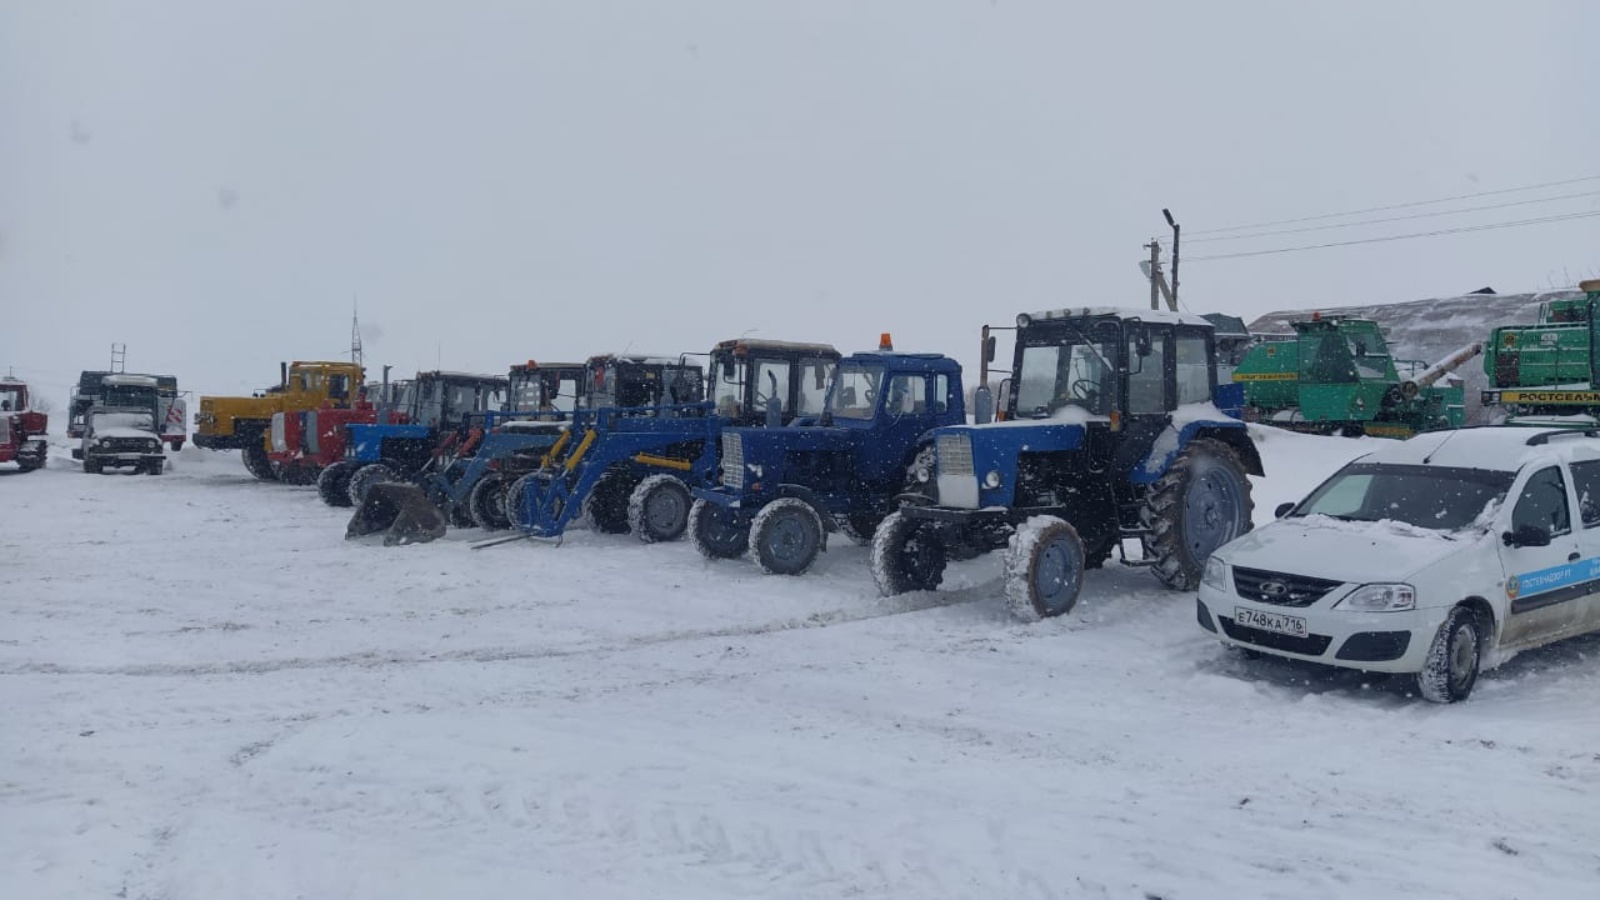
754	382
13	397
547	390
641	382
447	401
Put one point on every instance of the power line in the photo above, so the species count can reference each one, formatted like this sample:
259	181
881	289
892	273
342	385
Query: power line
1426	215
1415	203
1400	237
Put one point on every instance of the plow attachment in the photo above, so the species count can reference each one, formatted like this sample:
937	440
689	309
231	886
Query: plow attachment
402	512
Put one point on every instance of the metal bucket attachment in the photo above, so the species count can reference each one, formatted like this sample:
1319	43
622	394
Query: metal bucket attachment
401	511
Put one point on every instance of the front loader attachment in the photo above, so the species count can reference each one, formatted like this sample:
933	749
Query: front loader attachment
402	512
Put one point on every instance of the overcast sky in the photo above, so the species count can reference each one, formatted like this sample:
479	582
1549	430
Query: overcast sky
215	182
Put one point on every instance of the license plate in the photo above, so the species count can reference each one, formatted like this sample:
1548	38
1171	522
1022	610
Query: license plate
1270	621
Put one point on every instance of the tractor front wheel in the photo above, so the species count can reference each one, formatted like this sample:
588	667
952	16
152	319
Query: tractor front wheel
906	556
716	532
256	461
786	536
1044	569
367	476
511	501
333	483
1201	503
487	503
606	507
658	509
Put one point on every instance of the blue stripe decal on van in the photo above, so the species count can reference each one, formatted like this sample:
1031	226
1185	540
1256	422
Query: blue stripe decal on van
1556	584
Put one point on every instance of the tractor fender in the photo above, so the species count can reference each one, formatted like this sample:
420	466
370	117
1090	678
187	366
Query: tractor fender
801	492
1173	441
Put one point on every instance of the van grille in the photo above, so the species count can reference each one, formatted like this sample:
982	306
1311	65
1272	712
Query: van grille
732	461
1280	589
955	454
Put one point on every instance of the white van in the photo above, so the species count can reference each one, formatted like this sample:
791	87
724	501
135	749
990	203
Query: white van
1436	556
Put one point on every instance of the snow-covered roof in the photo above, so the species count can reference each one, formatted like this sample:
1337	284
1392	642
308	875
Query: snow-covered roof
461	376
758	346
643	359
1146	315
131	380
1499	448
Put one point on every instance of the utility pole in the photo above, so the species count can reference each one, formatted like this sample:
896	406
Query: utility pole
1159	289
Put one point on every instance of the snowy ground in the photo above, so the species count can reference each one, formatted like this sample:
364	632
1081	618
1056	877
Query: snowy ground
208	694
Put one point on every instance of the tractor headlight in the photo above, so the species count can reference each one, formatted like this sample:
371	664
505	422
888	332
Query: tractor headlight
1024	320
1216	575
922	474
1380	598
992	480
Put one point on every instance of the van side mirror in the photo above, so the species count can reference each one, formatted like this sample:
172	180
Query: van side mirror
1527	536
1283	510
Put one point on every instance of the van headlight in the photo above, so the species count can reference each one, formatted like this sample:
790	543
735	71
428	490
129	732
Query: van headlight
1216	575
992	480
1380	598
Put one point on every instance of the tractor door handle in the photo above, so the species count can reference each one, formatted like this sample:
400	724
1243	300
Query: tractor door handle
1573	556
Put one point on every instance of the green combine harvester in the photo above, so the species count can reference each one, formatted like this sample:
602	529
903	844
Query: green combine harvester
1545	374
1335	375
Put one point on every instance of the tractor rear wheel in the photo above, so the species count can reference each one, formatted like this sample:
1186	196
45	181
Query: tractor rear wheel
367	476
658	509
786	536
460	515
606	507
333	483
487	503
906	556
1201	503
255	458
1044	569
716	532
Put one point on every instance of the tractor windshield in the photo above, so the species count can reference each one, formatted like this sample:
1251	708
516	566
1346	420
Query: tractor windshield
1074	371
11	398
855	390
799	384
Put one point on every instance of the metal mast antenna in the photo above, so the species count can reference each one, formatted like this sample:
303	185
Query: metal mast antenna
119	357
356	356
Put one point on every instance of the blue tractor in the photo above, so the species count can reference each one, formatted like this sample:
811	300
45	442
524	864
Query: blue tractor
436	406
1109	432
782	490
631	456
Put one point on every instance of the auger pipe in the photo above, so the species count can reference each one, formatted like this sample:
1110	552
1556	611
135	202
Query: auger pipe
1442	368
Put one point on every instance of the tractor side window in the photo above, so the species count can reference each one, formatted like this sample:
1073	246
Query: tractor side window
1586	479
1543	503
772	380
1147	377
856	392
1326	359
908	396
813	392
727	390
339	387
941	394
1194	378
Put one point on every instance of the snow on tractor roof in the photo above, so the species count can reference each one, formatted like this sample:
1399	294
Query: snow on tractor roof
460	376
121	380
1145	315
1495	448
760	346
642	359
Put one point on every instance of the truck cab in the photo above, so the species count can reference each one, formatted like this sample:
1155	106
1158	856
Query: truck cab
117	437
22	430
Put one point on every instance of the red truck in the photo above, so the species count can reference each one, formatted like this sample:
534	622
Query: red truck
22	430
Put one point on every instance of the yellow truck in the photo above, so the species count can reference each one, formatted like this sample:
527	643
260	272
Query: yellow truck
244	423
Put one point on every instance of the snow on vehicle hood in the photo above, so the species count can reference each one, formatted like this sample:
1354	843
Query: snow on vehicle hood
1357	552
121	432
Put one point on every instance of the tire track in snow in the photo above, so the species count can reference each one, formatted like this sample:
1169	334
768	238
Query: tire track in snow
372	659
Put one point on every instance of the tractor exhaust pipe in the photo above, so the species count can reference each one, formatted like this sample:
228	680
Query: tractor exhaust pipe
1442	368
283	375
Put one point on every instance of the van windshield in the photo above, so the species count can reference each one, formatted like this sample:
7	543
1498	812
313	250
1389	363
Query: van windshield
1433	497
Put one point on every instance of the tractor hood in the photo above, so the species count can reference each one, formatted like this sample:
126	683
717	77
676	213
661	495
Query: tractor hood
756	456
124	432
976	464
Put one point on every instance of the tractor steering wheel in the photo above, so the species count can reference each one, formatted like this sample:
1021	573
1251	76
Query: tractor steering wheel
1085	389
